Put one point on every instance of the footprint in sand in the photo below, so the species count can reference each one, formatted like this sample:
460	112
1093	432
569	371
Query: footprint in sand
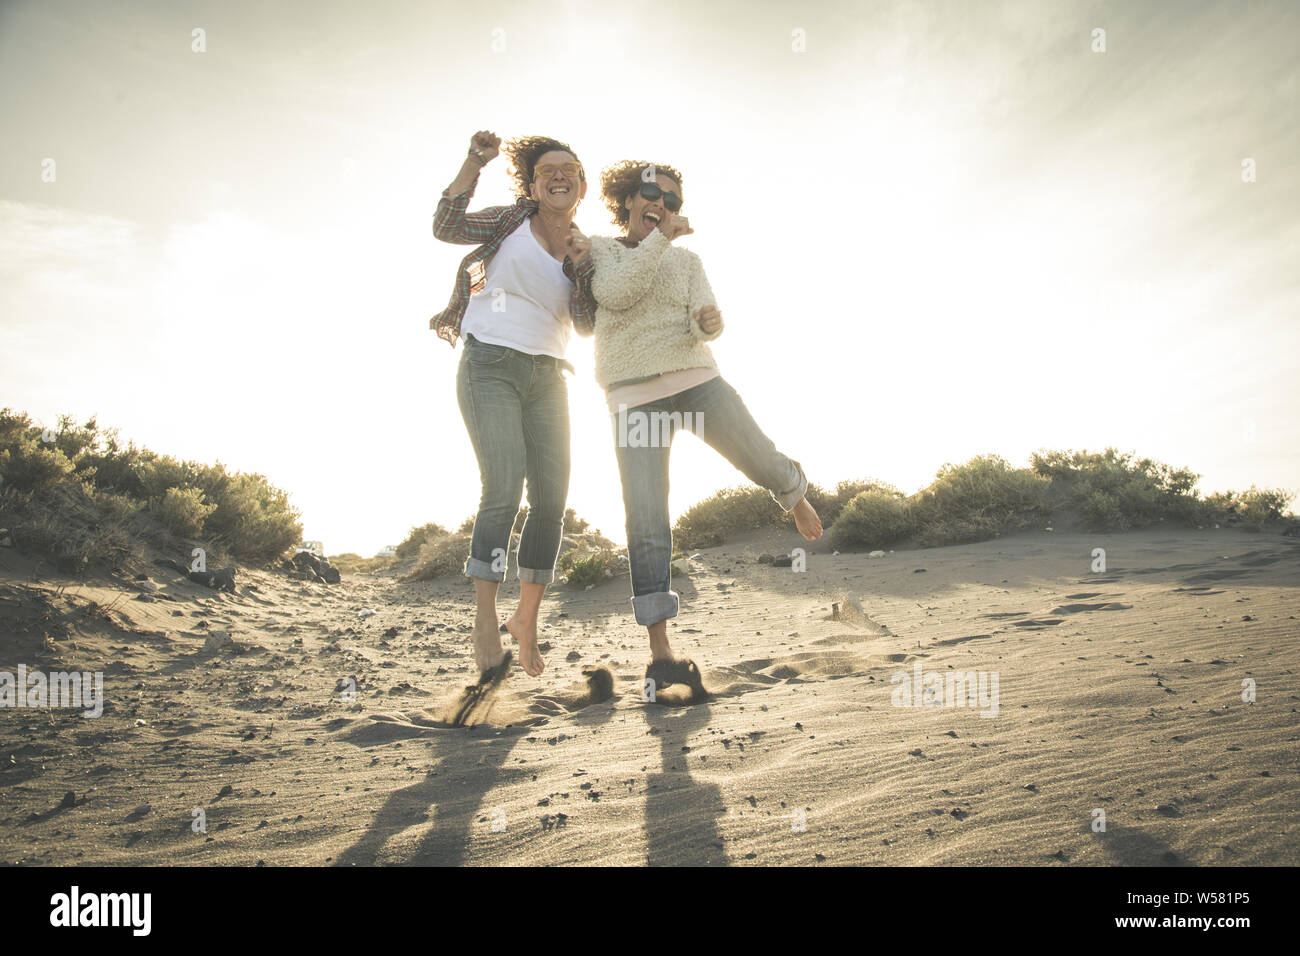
961	640
469	708
487	702
732	680
597	686
1076	608
1219	575
1259	559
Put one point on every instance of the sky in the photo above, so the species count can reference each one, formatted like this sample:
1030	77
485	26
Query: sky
935	230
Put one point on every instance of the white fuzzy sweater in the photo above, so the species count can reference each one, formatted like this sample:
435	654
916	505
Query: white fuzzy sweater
645	298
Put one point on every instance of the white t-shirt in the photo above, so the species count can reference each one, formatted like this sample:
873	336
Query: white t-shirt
524	303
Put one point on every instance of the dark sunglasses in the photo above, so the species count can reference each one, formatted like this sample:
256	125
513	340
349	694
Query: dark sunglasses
672	201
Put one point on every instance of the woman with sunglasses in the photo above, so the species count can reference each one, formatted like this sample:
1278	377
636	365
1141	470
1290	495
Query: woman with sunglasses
512	301
654	317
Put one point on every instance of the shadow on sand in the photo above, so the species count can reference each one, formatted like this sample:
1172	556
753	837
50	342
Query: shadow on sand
472	762
681	812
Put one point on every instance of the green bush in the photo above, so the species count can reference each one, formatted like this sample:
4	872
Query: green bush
116	469
732	510
118	509
416	538
253	520
351	563
1252	509
586	562
438	552
590	570
440	556
182	512
1113	491
1262	506
161	472
872	519
572	523
985	497
28	465
1100	511
80	494
978	500
829	504
941	531
966	502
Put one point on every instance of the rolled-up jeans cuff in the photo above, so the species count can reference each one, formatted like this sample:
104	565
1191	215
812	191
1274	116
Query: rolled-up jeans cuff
655	607
534	576
789	499
474	568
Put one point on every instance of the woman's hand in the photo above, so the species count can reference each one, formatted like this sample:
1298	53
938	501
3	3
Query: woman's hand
577	245
708	318
483	148
486	144
674	225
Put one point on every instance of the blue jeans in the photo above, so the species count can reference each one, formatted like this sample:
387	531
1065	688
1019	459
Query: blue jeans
643	439
516	407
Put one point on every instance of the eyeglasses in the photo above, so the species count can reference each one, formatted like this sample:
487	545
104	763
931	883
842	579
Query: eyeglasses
548	170
672	201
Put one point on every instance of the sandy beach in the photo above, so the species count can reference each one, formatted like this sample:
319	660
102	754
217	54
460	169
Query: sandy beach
1118	691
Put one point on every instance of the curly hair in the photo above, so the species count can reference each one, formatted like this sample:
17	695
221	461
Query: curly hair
622	180
524	153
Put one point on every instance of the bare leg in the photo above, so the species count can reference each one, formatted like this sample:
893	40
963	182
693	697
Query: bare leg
487	629
806	520
659	649
523	627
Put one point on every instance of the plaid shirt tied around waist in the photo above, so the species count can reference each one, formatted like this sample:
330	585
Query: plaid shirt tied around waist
489	228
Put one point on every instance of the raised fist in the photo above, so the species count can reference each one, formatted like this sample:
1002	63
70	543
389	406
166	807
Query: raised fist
486	143
675	225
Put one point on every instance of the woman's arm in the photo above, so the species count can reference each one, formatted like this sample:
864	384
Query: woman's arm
483	148
624	275
579	267
706	318
451	223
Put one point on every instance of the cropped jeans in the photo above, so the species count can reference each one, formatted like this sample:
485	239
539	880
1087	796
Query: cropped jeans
643	440
516	407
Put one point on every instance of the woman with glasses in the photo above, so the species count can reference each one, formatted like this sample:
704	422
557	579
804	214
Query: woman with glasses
512	302
654	317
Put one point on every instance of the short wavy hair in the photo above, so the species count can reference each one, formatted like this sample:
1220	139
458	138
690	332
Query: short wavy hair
621	180
525	151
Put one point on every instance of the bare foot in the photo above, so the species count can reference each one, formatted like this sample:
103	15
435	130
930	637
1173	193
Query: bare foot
487	642
675	682
806	520
525	634
659	649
